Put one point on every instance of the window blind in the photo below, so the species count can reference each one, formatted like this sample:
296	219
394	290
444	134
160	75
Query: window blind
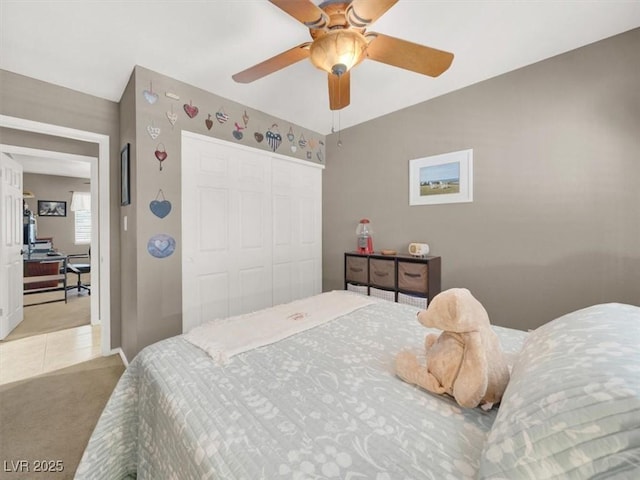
81	207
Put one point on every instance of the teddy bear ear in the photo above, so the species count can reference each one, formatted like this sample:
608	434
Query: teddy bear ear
454	310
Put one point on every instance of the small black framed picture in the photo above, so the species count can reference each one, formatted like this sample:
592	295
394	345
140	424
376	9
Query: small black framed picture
51	208
125	182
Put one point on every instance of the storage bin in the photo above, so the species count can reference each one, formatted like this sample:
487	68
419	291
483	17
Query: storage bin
389	295
361	289
382	273
420	302
412	277
356	269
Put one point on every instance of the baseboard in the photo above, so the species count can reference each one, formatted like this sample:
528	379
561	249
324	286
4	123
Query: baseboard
120	352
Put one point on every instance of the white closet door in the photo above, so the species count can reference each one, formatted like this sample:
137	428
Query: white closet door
226	230
297	225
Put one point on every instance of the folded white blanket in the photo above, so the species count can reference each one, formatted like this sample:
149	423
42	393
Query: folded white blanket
224	338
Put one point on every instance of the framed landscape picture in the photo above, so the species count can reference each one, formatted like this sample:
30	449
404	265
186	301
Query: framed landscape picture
445	178
52	208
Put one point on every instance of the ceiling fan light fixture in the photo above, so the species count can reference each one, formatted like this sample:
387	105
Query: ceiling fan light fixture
338	51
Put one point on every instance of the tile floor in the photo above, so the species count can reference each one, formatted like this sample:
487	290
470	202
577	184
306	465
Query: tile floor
30	356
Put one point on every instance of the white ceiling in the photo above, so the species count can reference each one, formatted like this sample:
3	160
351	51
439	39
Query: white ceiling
50	165
92	46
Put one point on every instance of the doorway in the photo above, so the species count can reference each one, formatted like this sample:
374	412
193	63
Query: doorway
100	258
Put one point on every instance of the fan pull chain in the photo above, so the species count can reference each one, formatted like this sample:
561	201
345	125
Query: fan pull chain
339	112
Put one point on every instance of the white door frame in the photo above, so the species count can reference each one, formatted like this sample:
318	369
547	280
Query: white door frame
100	256
95	220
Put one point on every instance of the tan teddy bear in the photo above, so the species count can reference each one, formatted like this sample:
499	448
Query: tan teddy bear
465	360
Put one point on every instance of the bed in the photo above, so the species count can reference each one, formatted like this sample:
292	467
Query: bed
325	403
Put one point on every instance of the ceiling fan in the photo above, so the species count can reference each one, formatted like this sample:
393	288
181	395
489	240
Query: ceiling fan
340	42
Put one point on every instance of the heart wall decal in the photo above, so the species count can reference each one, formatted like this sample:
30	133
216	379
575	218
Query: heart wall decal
191	110
154	132
160	208
274	138
173	118
150	97
221	116
160	154
161	245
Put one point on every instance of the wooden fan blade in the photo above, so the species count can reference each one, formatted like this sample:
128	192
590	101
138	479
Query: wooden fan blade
362	13
339	90
407	55
304	11
273	64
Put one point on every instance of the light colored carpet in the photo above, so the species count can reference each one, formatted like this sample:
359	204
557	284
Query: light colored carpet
52	416
51	317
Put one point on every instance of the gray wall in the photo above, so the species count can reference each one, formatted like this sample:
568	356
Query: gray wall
32	99
555	221
128	238
55	187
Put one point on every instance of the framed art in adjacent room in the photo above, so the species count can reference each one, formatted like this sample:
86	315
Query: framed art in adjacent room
438	179
125	181
51	208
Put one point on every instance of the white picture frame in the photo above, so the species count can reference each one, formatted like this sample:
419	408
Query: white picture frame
440	179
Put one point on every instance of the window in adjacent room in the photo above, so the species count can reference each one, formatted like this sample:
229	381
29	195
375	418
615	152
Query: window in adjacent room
81	207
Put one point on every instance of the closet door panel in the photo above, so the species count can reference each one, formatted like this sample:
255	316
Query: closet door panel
296	220
283	283
282	224
256	280
213	292
252	249
213	235
307	283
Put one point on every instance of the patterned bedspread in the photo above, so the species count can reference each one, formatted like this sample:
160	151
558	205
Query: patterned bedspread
321	404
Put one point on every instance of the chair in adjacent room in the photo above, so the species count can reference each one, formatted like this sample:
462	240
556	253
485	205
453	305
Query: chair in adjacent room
75	266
